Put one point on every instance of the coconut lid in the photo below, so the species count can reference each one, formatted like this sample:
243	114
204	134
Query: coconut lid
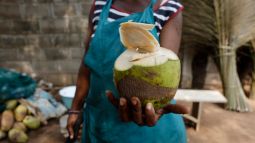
137	36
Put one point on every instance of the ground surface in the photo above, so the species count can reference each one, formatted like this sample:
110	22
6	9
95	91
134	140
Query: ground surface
217	126
221	126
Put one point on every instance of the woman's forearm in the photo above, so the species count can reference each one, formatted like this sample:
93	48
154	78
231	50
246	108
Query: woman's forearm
170	36
82	88
82	84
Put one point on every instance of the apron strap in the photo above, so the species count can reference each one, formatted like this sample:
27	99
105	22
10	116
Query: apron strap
105	12
152	2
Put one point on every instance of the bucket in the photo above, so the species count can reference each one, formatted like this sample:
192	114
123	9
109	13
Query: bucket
67	95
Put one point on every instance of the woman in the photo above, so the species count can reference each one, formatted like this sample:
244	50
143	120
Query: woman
108	118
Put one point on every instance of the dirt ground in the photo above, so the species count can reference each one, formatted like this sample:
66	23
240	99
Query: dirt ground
217	126
221	126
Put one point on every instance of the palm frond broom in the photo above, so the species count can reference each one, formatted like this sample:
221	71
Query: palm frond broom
223	25
235	24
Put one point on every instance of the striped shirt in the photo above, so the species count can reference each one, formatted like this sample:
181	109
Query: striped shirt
167	10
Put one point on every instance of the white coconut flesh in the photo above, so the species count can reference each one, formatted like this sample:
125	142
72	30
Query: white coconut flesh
131	58
142	47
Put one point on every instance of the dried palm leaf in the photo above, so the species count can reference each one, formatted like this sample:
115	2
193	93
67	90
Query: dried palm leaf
235	24
253	72
199	26
224	25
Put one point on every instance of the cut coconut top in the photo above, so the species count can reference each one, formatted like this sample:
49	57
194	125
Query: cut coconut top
131	58
137	36
142	47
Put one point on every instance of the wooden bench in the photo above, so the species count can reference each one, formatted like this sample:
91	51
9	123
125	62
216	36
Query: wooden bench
198	97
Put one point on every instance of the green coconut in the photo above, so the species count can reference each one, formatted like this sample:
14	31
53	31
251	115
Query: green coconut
20	126
17	136
11	104
20	112
7	120
31	122
149	72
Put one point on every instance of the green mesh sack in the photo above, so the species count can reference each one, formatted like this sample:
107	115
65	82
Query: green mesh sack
15	85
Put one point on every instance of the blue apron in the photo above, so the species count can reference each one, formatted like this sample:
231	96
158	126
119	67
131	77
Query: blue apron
102	123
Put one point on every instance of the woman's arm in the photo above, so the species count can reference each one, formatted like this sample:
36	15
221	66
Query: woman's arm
170	36
82	84
82	87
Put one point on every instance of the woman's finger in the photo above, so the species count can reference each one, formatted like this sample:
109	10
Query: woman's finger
124	110
150	116
111	98
70	131
79	134
136	110
174	108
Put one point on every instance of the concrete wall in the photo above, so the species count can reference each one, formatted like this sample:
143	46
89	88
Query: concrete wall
45	37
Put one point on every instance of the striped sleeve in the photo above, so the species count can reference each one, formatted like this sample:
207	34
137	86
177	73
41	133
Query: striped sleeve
98	5
97	9
166	11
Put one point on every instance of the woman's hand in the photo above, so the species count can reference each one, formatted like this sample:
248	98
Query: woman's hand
72	119
133	110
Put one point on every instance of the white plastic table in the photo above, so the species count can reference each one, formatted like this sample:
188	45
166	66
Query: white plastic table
198	97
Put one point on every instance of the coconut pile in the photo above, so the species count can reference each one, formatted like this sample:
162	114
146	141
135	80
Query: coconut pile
145	70
16	121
